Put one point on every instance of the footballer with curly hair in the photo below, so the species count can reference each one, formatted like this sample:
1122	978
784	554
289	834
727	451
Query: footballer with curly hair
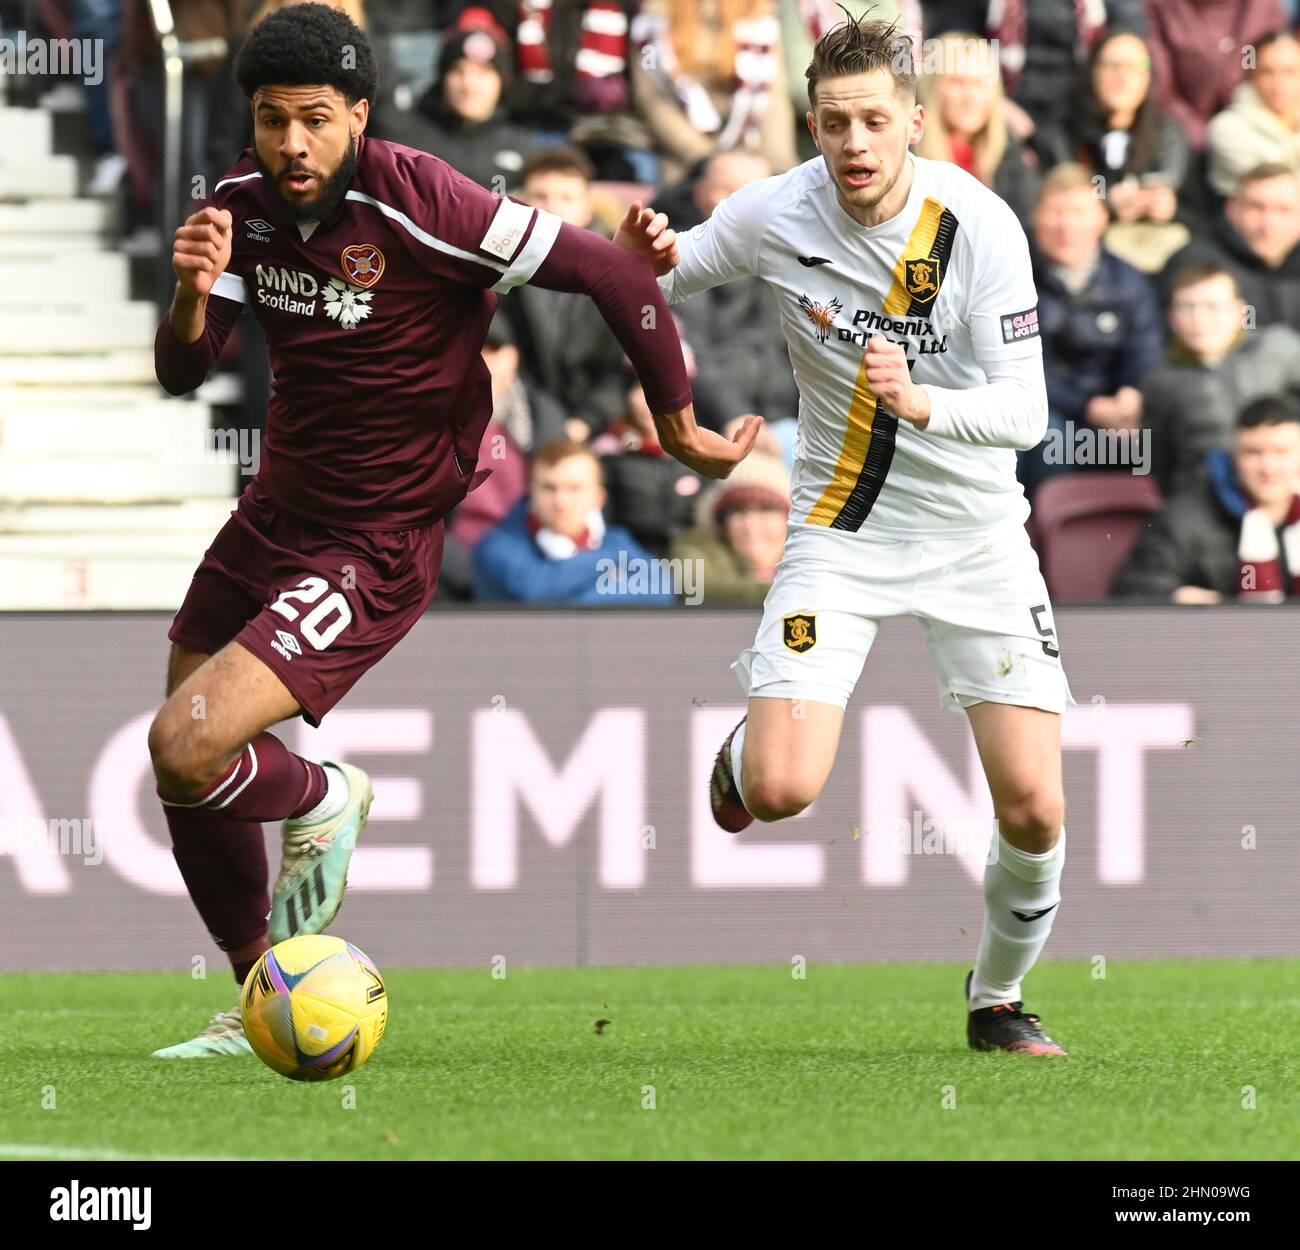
372	269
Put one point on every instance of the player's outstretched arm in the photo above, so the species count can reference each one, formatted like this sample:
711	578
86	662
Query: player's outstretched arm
622	285
196	326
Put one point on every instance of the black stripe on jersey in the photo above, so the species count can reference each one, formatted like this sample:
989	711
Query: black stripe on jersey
941	252
884	426
875	468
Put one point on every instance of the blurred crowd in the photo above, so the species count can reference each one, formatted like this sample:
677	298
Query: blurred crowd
1151	149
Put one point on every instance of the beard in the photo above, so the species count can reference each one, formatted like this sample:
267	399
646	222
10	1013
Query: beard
869	197
332	188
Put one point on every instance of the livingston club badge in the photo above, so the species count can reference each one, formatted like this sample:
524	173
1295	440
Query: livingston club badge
800	631
922	277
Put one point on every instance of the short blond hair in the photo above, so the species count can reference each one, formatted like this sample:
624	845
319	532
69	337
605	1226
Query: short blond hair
860	45
560	449
1068	176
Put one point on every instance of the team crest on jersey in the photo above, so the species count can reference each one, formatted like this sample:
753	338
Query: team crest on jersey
800	631
363	264
348	305
922	279
821	315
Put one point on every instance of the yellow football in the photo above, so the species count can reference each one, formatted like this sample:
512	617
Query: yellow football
314	1008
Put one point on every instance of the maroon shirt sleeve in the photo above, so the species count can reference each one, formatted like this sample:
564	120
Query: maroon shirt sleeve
624	288
455	228
181	367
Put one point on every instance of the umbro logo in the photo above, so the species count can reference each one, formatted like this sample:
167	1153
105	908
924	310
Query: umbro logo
809	261
1027	916
259	229
286	644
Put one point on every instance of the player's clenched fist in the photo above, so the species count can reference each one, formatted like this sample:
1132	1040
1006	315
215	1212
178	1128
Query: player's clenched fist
891	382
202	250
646	233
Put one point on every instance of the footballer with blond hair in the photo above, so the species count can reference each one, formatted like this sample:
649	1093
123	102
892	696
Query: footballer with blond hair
908	306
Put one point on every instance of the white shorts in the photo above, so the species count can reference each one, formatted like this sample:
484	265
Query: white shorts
981	598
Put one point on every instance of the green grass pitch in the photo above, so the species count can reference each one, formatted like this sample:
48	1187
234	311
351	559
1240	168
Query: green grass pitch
851	1062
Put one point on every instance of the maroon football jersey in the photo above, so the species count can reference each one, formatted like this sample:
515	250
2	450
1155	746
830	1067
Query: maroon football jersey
375	320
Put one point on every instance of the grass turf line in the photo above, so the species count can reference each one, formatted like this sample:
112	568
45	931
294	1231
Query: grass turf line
745	1062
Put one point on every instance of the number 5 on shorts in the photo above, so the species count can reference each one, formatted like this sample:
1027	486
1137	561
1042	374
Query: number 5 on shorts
308	591
1049	648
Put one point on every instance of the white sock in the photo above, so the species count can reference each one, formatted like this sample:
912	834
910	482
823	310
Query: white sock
737	746
1009	947
336	797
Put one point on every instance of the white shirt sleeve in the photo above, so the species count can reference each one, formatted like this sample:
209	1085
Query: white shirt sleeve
722	248
1011	411
1002	313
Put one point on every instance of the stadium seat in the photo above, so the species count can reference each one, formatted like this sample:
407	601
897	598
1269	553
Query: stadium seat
1086	524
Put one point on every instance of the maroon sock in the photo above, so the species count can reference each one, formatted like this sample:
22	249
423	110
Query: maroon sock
266	782
242	960
223	863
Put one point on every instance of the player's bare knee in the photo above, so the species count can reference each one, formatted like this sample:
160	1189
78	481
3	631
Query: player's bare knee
1032	819
169	755
184	763
778	798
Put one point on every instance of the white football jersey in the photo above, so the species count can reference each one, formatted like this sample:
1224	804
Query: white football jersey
948	277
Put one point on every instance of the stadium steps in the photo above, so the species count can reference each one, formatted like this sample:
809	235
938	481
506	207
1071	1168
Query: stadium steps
49	219
123	480
92	277
55	328
45	176
110	491
98	369
199	516
140	577
24	244
29	133
152	430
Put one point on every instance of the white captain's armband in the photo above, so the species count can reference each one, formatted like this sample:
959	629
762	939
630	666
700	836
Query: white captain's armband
507	228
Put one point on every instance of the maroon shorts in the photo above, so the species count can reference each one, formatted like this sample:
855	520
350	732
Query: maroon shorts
318	604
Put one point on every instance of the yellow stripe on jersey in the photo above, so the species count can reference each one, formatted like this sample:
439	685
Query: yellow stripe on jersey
919	246
931	238
853	455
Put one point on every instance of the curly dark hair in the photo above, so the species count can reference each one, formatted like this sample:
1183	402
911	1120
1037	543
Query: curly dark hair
305	45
